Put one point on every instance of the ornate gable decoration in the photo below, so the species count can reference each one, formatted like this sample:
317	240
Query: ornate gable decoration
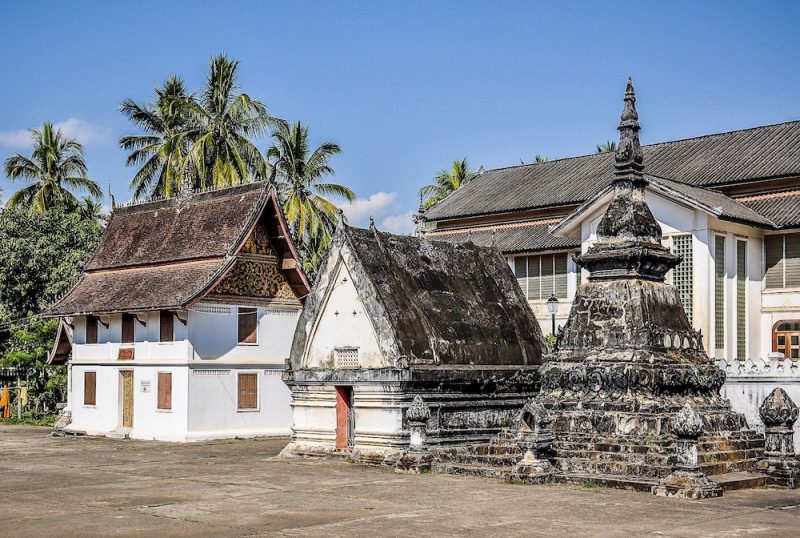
256	275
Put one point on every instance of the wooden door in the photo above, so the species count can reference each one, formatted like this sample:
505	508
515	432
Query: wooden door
344	397
127	398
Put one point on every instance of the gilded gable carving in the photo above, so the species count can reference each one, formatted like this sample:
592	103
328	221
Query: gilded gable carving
258	242
250	278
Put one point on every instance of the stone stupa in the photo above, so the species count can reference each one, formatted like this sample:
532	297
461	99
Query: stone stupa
628	359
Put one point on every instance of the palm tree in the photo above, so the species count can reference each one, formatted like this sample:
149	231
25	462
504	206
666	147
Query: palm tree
221	124
298	173
609	147
446	181
161	152
55	166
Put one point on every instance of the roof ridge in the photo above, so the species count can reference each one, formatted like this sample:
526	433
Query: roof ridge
769	196
665	142
134	204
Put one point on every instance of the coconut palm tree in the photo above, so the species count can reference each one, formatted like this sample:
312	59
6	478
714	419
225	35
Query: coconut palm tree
221	123
160	152
55	166
446	181
609	147
298	174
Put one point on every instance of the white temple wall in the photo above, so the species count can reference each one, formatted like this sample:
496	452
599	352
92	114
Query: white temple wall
343	324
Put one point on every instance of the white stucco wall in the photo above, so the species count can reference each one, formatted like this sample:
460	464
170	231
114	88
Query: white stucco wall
343	323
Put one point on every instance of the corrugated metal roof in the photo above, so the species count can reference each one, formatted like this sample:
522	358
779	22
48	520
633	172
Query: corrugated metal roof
761	152
528	236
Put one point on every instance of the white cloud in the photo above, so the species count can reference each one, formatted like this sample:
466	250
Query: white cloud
398	224
15	139
87	133
375	205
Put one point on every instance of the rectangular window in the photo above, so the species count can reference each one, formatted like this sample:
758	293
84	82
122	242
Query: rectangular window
719	291
782	253
164	390
539	276
741	299
91	329
248	325
166	325
682	274
89	388
127	328
248	391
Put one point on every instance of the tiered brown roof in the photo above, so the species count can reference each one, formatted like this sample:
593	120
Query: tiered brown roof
170	253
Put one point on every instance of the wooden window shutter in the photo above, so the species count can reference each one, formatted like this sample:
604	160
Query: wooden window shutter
89	388
164	390
561	276
534	278
127	328
547	276
166	324
773	246
719	292
521	272
248	391
792	261
91	329
248	325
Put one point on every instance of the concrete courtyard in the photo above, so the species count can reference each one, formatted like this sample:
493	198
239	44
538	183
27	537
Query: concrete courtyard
82	486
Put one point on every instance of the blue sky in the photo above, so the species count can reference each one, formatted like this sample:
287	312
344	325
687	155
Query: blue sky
406	87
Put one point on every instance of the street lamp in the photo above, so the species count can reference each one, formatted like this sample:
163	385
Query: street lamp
552	307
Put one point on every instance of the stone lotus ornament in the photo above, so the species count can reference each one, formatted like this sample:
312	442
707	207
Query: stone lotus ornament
688	423
778	409
419	410
780	463
417	459
535	440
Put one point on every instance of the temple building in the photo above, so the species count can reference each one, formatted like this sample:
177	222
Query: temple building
728	204
180	325
392	319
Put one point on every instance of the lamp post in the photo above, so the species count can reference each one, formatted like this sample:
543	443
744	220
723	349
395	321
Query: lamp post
552	307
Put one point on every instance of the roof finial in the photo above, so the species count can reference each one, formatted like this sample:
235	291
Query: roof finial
372	223
481	170
187	186
111	195
629	158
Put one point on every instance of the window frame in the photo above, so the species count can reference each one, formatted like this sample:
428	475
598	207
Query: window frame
546	265
257	407
171	316
86	374
250	311
95	322
158	392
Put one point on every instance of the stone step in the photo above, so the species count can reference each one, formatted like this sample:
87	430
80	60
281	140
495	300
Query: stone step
466	469
719	468
611	468
608	481
739	480
495	449
728	456
498	460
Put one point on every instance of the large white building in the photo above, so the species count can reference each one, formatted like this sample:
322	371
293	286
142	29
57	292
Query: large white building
183	319
728	203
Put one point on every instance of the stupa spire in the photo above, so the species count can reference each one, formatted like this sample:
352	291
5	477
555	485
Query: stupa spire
628	236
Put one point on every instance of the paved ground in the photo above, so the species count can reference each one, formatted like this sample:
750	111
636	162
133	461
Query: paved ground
81	486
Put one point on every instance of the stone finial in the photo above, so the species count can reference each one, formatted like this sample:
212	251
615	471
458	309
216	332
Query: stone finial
419	410
778	409
687	423
372	223
628	156
187	185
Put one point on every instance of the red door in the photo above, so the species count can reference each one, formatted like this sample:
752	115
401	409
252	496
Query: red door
343	399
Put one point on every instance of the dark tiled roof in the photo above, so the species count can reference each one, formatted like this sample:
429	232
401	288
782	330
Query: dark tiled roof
439	303
527	236
135	290
782	208
758	153
157	232
166	254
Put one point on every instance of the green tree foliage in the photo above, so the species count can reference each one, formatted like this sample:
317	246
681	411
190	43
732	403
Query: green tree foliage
446	181
299	173
55	166
209	134
609	147
160	152
42	254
